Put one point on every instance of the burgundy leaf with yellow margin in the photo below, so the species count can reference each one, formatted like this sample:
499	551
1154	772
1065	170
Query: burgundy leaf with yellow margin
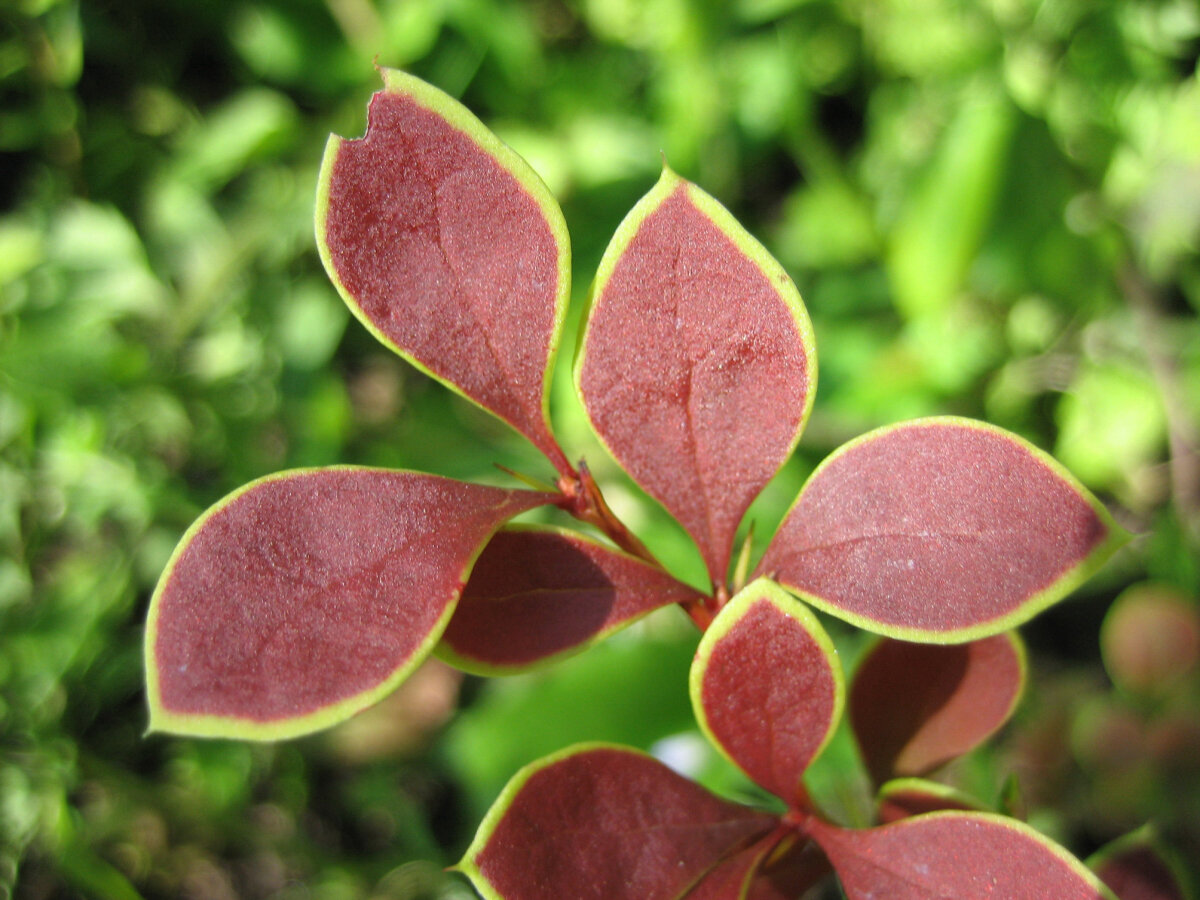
914	707
767	687
306	596
598	821
450	249
537	593
697	366
939	530
967	856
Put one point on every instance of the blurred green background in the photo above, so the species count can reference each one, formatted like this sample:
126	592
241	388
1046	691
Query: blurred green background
992	209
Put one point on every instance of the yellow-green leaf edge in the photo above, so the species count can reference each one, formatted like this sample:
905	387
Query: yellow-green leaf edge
1038	602
764	590
447	654
932	788
459	117
668	182
162	719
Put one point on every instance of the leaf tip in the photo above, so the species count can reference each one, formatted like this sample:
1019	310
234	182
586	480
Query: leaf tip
668	178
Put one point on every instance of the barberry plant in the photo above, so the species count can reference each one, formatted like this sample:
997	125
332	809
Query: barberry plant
307	595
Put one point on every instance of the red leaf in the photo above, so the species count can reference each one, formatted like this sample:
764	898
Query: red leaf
697	366
1135	868
731	878
766	686
967	856
914	707
907	797
607	823
306	596
940	530
450	249
538	594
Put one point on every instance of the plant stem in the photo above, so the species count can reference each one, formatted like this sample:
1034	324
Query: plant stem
583	500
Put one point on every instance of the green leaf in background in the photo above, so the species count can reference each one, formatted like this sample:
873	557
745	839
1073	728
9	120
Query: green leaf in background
1111	425
941	225
630	689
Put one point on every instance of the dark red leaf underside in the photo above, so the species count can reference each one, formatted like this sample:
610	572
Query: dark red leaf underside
911	797
1139	872
449	257
789	876
313	587
536	593
914	707
769	696
695	372
933	526
966	856
611	824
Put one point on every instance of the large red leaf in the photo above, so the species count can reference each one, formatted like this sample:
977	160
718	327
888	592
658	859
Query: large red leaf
1135	868
536	594
939	530
305	596
967	856
767	687
914	707
449	248
697	366
598	822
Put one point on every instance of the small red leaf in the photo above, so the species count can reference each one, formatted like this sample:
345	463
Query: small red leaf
306	596
539	593
914	707
967	856
1135	868
449	248
907	797
939	530
604	822
697	367
776	867
731	878
767	687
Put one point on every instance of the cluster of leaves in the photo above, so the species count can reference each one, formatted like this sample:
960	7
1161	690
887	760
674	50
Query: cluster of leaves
767	689
305	596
